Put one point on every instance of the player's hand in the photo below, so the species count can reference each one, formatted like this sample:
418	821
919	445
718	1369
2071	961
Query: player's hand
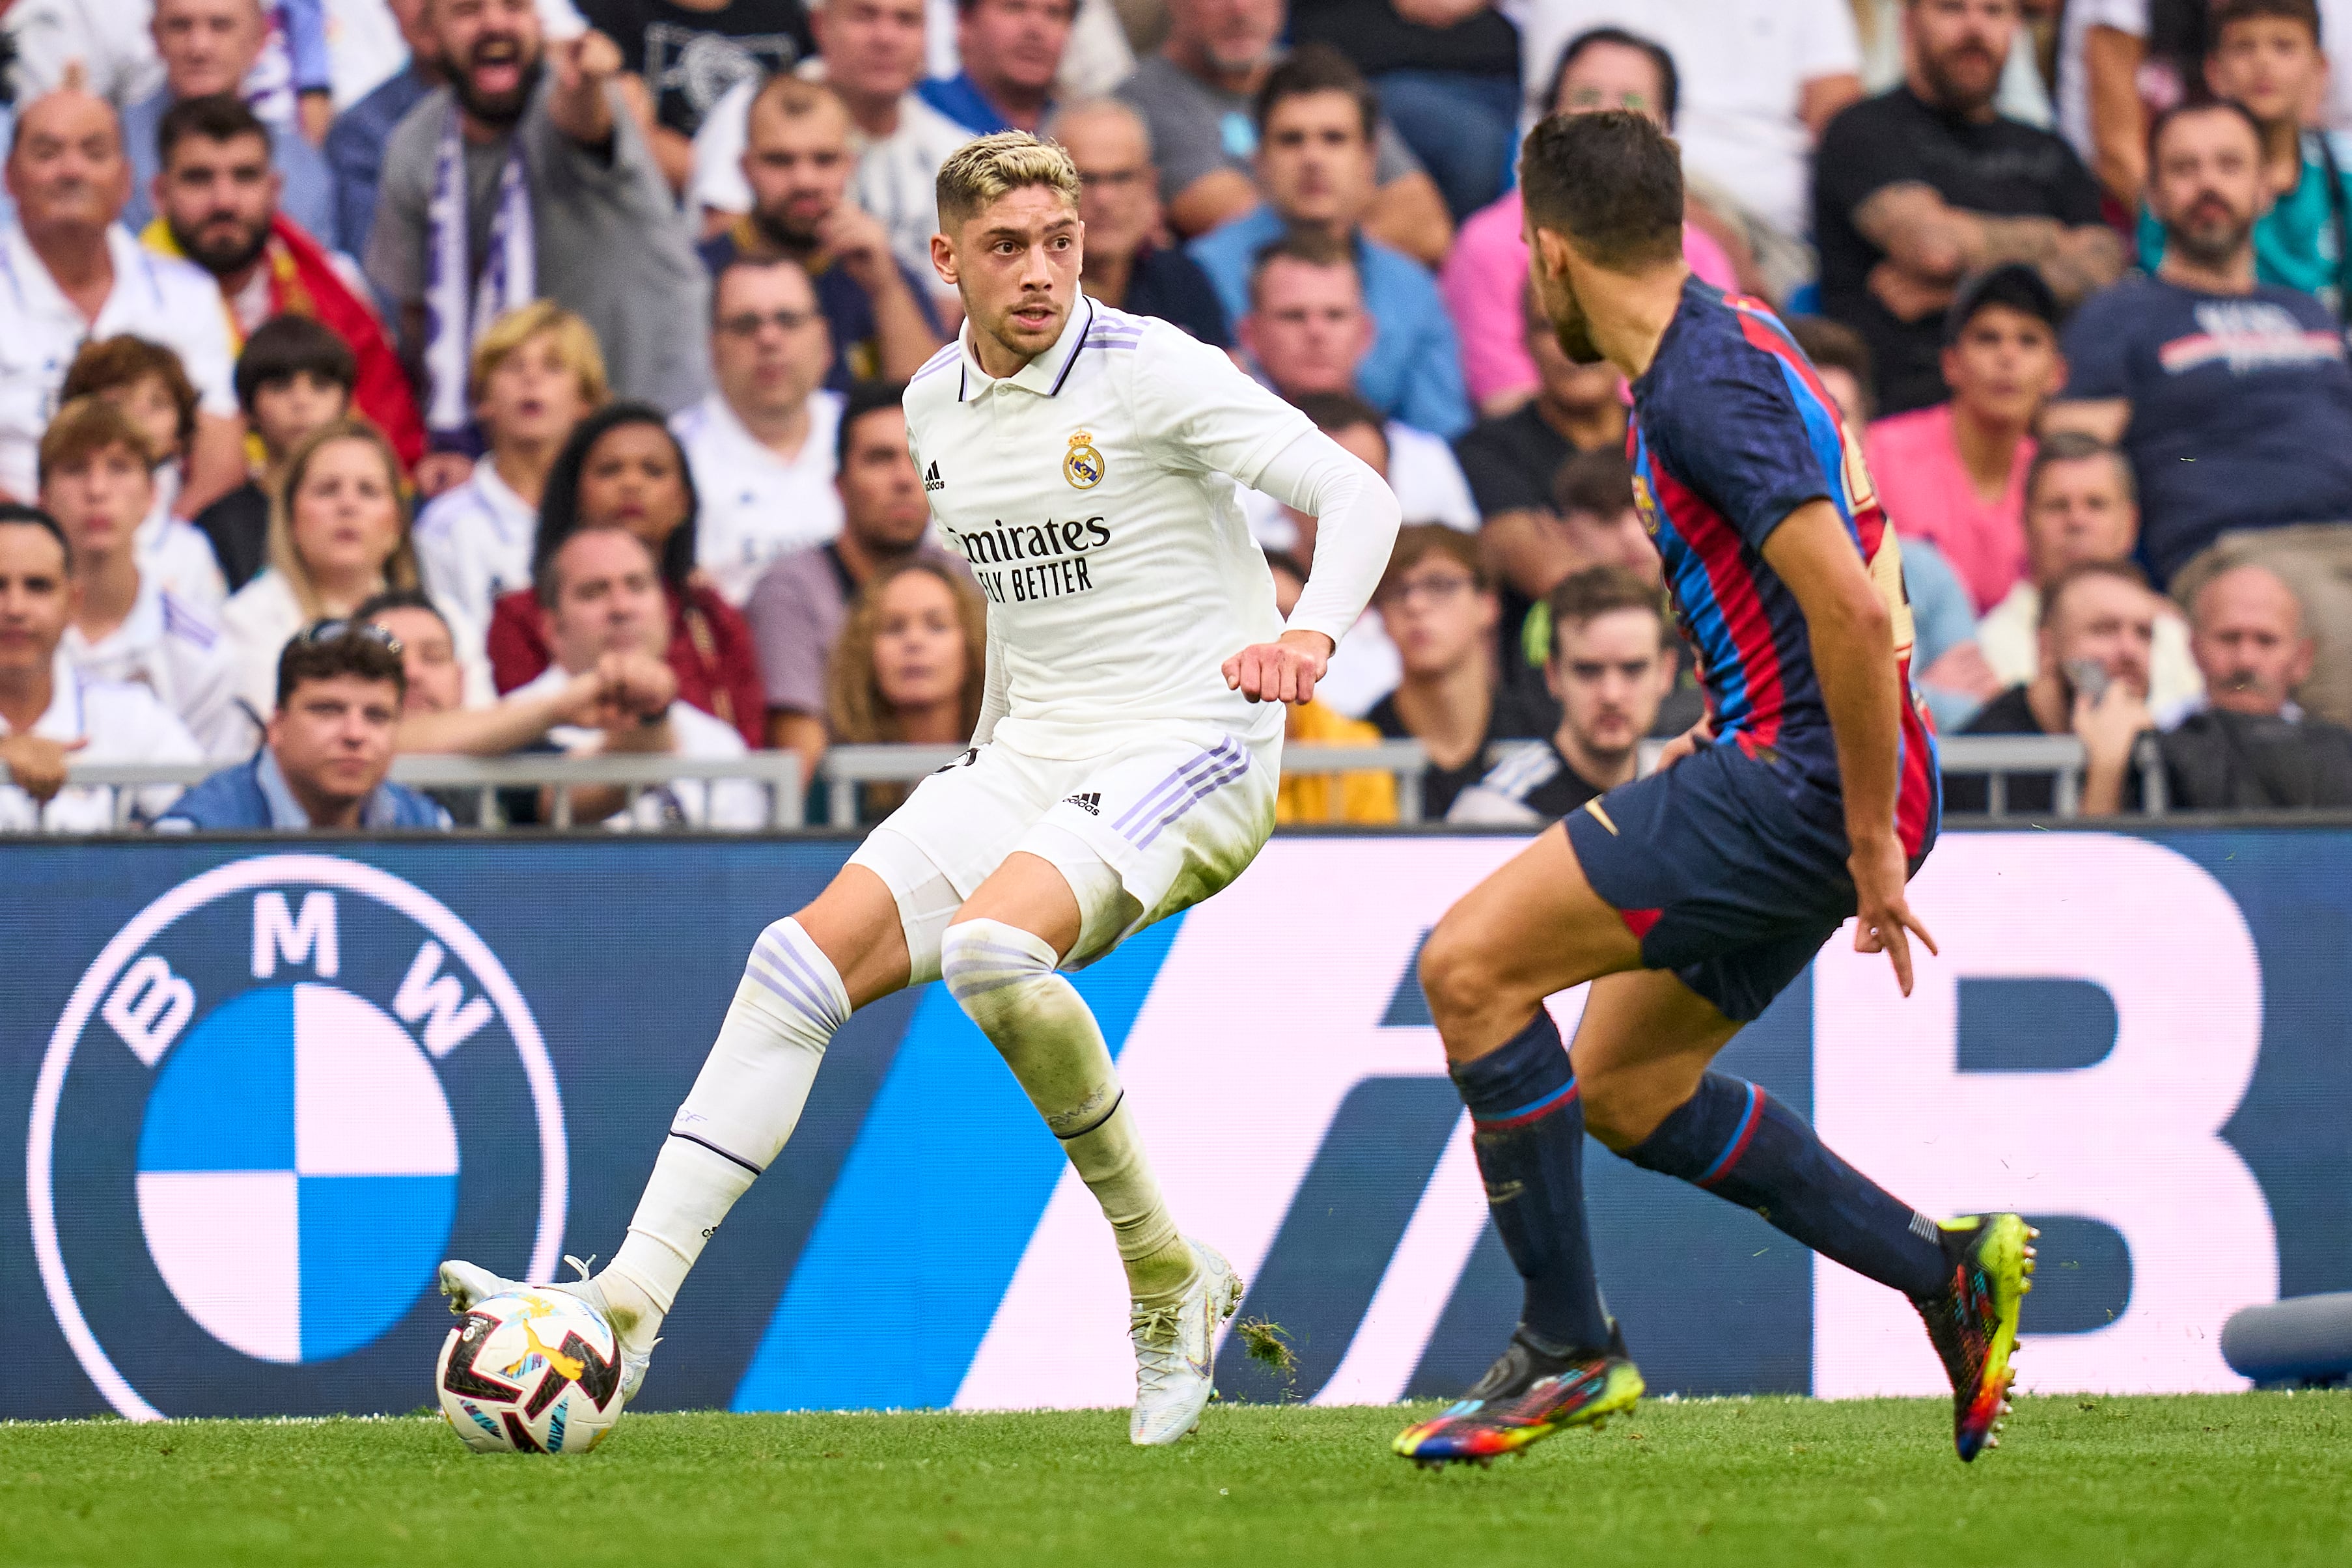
1682	745
1283	671
37	765
1883	919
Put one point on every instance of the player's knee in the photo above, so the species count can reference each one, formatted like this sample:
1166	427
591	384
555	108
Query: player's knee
1456	976
987	965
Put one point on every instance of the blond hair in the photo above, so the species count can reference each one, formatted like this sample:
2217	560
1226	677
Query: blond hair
575	346
981	171
399	567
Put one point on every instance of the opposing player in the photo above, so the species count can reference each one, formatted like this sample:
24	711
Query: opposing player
1690	898
1125	763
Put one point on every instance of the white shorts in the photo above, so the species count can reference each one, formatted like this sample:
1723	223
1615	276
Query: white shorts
1151	826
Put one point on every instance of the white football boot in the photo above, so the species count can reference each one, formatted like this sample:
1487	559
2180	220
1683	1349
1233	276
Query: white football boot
1176	1352
464	1283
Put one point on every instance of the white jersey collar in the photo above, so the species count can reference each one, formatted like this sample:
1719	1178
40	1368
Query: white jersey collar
142	628
1043	375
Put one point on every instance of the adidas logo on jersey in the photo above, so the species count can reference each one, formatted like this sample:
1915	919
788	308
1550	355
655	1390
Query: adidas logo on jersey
1090	802
932	480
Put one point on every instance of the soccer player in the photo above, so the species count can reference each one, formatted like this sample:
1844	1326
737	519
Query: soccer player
1124	767
1689	898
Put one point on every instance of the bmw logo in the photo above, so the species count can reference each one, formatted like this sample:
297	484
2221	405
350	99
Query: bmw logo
281	1093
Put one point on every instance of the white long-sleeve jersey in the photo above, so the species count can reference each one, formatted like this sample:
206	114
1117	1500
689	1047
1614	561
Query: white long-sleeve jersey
1094	493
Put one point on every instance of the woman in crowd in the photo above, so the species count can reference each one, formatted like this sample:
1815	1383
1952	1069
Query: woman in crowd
908	668
622	467
338	536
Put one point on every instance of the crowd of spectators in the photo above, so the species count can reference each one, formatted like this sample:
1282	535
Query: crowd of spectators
486	376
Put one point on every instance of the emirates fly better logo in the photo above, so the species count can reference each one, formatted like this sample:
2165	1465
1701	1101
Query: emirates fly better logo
282	1092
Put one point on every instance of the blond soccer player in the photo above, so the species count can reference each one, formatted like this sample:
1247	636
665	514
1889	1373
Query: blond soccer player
1086	462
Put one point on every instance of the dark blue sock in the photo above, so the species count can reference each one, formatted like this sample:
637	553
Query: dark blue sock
1741	1144
1527	1125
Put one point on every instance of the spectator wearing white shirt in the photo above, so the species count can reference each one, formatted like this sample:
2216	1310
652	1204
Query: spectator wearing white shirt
109	39
602	592
1309	331
537	373
762	445
69	272
1761	79
51	717
872	52
148	383
126	626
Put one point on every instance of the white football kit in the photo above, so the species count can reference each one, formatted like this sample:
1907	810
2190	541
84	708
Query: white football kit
1094	493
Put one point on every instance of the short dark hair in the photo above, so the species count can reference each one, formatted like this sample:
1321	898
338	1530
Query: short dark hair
287	346
216	116
2079	446
1339	411
1599	482
1670	81
400	598
2164	118
1317	67
864	398
547	581
1309	247
1599	590
1611	182
16	513
757	261
307	657
2081	571
2225	12
1834	346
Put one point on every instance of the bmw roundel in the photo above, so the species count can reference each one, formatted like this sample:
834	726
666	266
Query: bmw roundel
276	1099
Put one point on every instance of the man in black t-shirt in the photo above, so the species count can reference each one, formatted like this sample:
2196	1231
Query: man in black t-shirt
1612	663
1921	186
689	53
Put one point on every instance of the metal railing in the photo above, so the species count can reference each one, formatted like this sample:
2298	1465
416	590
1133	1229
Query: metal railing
2060	758
846	768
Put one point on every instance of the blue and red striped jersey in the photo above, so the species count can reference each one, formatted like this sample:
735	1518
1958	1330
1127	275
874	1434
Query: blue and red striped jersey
1732	431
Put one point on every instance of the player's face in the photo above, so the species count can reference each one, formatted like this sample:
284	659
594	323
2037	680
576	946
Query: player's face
533	396
1315	160
798	166
217	197
1309	330
1438	617
635	479
435	683
100	500
1548	276
2108	621
882	501
2270	64
608	600
1616	540
919	654
290	407
1566	384
35	598
872	48
1961	47
2004	364
1610	674
332	738
152	408
2205	183
2248	642
769	345
345	513
2079	512
1015	262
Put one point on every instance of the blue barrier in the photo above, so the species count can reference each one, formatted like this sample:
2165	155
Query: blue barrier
254	1090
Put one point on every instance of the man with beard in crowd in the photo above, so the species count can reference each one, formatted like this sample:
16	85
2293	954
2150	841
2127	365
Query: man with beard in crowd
217	202
555	194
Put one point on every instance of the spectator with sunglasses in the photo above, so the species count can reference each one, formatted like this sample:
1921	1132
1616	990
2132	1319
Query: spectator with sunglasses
326	752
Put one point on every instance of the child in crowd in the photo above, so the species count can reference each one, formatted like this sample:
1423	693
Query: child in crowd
148	382
294	376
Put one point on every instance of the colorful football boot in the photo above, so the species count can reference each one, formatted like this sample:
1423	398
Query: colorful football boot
1527	1395
1973	1321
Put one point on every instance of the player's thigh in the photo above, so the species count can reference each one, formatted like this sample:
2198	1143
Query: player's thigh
1643	1043
856	923
946	840
1532	927
1031	892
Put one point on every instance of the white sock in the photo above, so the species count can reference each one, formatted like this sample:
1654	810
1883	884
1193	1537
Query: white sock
743	1106
1004	979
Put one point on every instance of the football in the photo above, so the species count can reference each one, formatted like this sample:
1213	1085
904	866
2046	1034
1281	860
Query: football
530	1373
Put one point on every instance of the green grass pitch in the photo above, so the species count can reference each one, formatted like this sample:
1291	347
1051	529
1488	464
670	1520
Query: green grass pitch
2260	1478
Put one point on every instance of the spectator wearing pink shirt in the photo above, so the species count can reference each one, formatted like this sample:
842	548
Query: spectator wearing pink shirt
1603	68
1953	472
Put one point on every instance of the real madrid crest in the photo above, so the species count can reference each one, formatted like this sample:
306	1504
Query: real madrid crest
1082	465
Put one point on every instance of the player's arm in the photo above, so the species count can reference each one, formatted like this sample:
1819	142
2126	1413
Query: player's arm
1853	632
1357	519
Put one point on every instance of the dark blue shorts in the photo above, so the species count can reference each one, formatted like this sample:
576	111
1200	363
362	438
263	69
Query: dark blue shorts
1729	867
